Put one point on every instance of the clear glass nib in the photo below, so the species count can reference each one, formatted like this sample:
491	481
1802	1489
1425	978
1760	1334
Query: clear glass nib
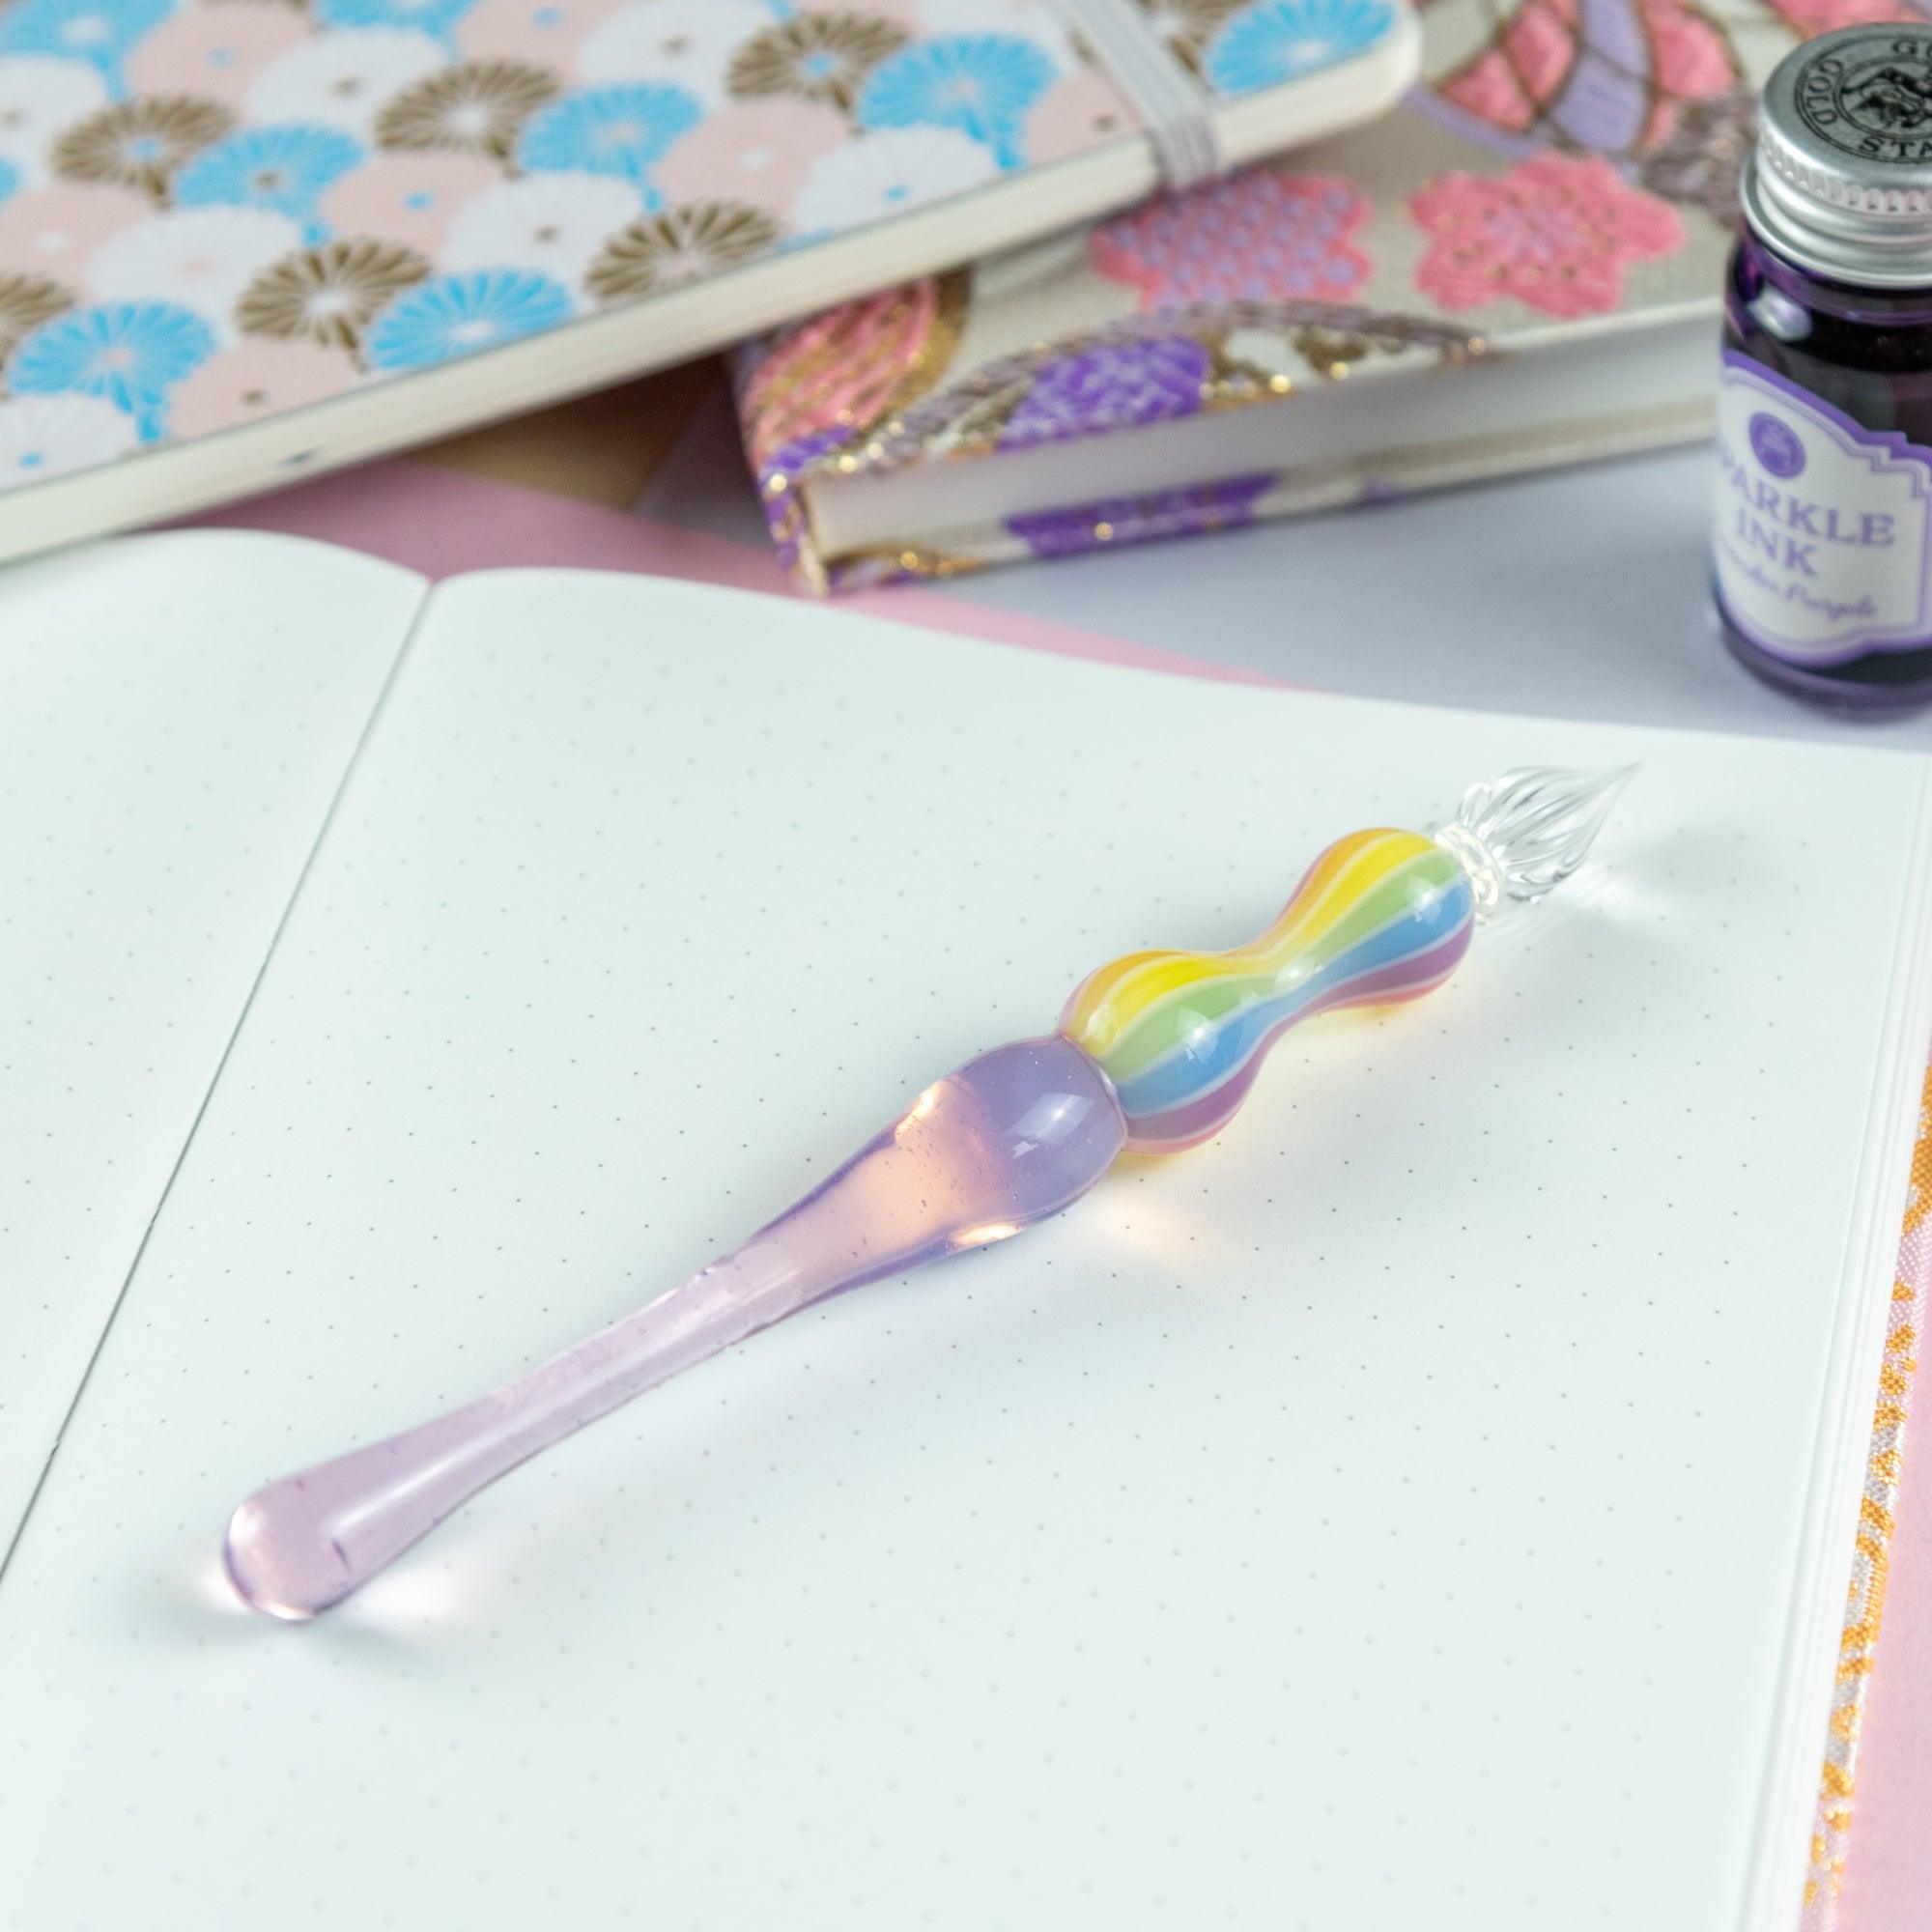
1520	834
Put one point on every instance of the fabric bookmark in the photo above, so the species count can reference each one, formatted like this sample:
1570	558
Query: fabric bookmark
1176	111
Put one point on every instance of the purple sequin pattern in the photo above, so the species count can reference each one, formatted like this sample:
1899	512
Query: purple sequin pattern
790	461
1125	519
1105	386
1263	235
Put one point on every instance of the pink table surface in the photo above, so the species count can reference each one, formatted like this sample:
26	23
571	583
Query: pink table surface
442	523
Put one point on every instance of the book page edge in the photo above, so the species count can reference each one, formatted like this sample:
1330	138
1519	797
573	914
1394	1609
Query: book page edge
1778	1854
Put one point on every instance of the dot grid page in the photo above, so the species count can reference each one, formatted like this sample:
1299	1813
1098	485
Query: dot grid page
1384	1516
170	739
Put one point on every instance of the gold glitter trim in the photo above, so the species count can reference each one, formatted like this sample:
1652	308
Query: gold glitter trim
787	383
889	563
963	421
1871	1555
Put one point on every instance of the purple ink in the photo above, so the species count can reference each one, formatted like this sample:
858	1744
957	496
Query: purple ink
1822	532
1775	447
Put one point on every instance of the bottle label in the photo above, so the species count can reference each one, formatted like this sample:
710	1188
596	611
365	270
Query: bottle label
1822	540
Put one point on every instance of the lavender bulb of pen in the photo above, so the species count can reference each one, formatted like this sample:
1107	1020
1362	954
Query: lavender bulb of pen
1155	1052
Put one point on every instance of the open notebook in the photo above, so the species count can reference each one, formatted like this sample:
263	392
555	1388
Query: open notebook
241	243
1432	1503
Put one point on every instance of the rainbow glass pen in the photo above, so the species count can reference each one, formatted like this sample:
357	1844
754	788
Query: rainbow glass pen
1155	1052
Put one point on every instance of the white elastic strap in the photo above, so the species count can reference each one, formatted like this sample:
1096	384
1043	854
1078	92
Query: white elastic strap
1176	113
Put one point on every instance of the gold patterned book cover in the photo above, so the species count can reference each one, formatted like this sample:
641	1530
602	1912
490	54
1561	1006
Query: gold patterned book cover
1519	267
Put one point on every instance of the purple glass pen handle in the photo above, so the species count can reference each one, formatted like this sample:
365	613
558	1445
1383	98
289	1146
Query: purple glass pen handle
1009	1139
1157	1051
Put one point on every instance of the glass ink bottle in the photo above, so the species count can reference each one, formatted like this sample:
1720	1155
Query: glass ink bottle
1822	537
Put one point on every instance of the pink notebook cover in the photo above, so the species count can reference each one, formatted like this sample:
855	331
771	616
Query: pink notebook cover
1875	1878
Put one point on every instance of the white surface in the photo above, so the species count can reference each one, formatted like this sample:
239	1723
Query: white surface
1377	1520
1576	593
168	746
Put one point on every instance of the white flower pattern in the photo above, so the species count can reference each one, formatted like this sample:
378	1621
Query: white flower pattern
166	170
555	223
882	175
39	99
688	43
343	80
51	436
198	258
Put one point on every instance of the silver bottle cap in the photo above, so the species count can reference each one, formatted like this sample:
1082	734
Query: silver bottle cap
1841	182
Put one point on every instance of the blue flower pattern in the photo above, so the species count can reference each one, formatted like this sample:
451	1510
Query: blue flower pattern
980	84
280	168
130	354
98	31
611	130
993	90
460	315
1283	40
435	18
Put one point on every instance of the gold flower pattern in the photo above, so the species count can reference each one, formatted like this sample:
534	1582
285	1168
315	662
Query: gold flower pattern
1189	25
25	303
140	144
377	215
328	295
1878	1512
819	57
682	245
476	108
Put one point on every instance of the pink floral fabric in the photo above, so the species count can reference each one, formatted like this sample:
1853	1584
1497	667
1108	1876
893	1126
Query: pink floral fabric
1513	82
1560	163
1555	233
1821	16
1268	234
847	366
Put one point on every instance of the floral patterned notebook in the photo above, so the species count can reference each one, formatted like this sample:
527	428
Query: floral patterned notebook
241	238
1565	173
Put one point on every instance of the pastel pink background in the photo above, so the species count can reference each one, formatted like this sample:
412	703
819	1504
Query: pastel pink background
441	523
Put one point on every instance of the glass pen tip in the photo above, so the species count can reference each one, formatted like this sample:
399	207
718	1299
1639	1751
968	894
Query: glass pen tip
1520	835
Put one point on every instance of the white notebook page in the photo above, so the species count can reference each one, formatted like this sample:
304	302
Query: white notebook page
1386	1516
173	724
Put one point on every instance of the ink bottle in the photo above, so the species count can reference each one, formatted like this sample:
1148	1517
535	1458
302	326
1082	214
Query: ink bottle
1822	536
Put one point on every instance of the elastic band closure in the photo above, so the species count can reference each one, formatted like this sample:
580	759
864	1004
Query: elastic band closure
1176	113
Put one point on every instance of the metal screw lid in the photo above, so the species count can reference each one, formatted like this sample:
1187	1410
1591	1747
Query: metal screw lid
1841	182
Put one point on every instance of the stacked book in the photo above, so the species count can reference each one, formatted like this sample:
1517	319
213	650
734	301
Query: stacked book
1519	267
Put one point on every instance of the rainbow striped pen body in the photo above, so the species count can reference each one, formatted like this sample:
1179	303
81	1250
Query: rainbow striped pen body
1381	917
1155	1052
